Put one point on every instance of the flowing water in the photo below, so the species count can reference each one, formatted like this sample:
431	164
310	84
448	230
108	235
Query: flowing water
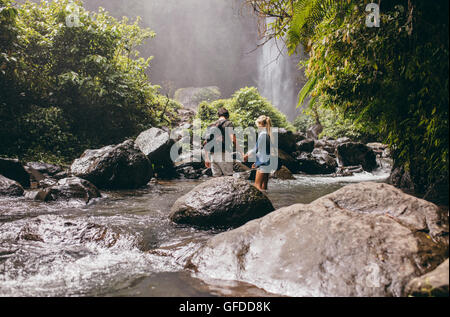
279	79
123	244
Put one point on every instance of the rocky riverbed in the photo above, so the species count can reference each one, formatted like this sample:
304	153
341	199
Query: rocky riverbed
329	225
124	243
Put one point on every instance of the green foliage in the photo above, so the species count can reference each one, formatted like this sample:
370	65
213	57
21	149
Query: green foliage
92	74
336	125
303	122
393	78
207	94
245	107
207	112
44	128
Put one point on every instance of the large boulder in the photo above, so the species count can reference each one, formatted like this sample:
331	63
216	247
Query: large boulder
314	131
351	153
380	149
283	174
317	162
326	144
284	159
401	178
223	202
189	170
306	145
156	144
121	166
66	189
286	140
9	187
432	284
73	188
13	169
366	239
45	168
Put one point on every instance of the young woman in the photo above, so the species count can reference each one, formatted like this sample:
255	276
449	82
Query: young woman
262	151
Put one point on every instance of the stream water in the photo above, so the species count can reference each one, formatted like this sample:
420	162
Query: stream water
123	244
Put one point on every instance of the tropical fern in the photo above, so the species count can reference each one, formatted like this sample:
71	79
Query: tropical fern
306	90
307	14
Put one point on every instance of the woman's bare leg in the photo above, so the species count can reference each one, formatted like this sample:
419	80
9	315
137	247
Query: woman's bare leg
259	179
265	181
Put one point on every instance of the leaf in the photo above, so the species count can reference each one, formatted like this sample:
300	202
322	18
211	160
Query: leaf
306	90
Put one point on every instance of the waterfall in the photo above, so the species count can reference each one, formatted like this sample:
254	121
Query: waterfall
279	79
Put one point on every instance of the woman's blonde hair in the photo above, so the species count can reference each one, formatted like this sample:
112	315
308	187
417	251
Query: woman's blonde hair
265	122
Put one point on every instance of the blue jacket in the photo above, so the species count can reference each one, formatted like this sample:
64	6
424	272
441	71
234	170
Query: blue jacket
262	149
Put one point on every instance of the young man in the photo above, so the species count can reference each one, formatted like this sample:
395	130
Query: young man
219	157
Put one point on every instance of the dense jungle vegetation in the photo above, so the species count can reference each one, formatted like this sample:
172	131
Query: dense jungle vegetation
391	80
65	89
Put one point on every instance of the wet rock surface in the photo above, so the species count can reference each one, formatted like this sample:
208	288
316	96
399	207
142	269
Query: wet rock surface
156	144
13	169
223	202
287	140
9	187
284	159
317	162
351	153
73	188
283	174
45	168
432	284
366	239
305	145
121	166
51	229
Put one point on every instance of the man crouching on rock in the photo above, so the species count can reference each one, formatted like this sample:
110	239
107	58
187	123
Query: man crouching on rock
219	145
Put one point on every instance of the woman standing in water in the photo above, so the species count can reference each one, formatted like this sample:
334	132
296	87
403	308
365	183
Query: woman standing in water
262	151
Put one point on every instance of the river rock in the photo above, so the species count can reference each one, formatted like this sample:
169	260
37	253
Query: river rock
380	149
222	202
249	175
317	162
326	144
156	144
121	166
314	131
39	195
239	167
283	174
286	140
349	170
189	171
401	178
351	153
306	145
432	284
56	230
343	244
73	188
287	160
13	169
45	168
9	187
